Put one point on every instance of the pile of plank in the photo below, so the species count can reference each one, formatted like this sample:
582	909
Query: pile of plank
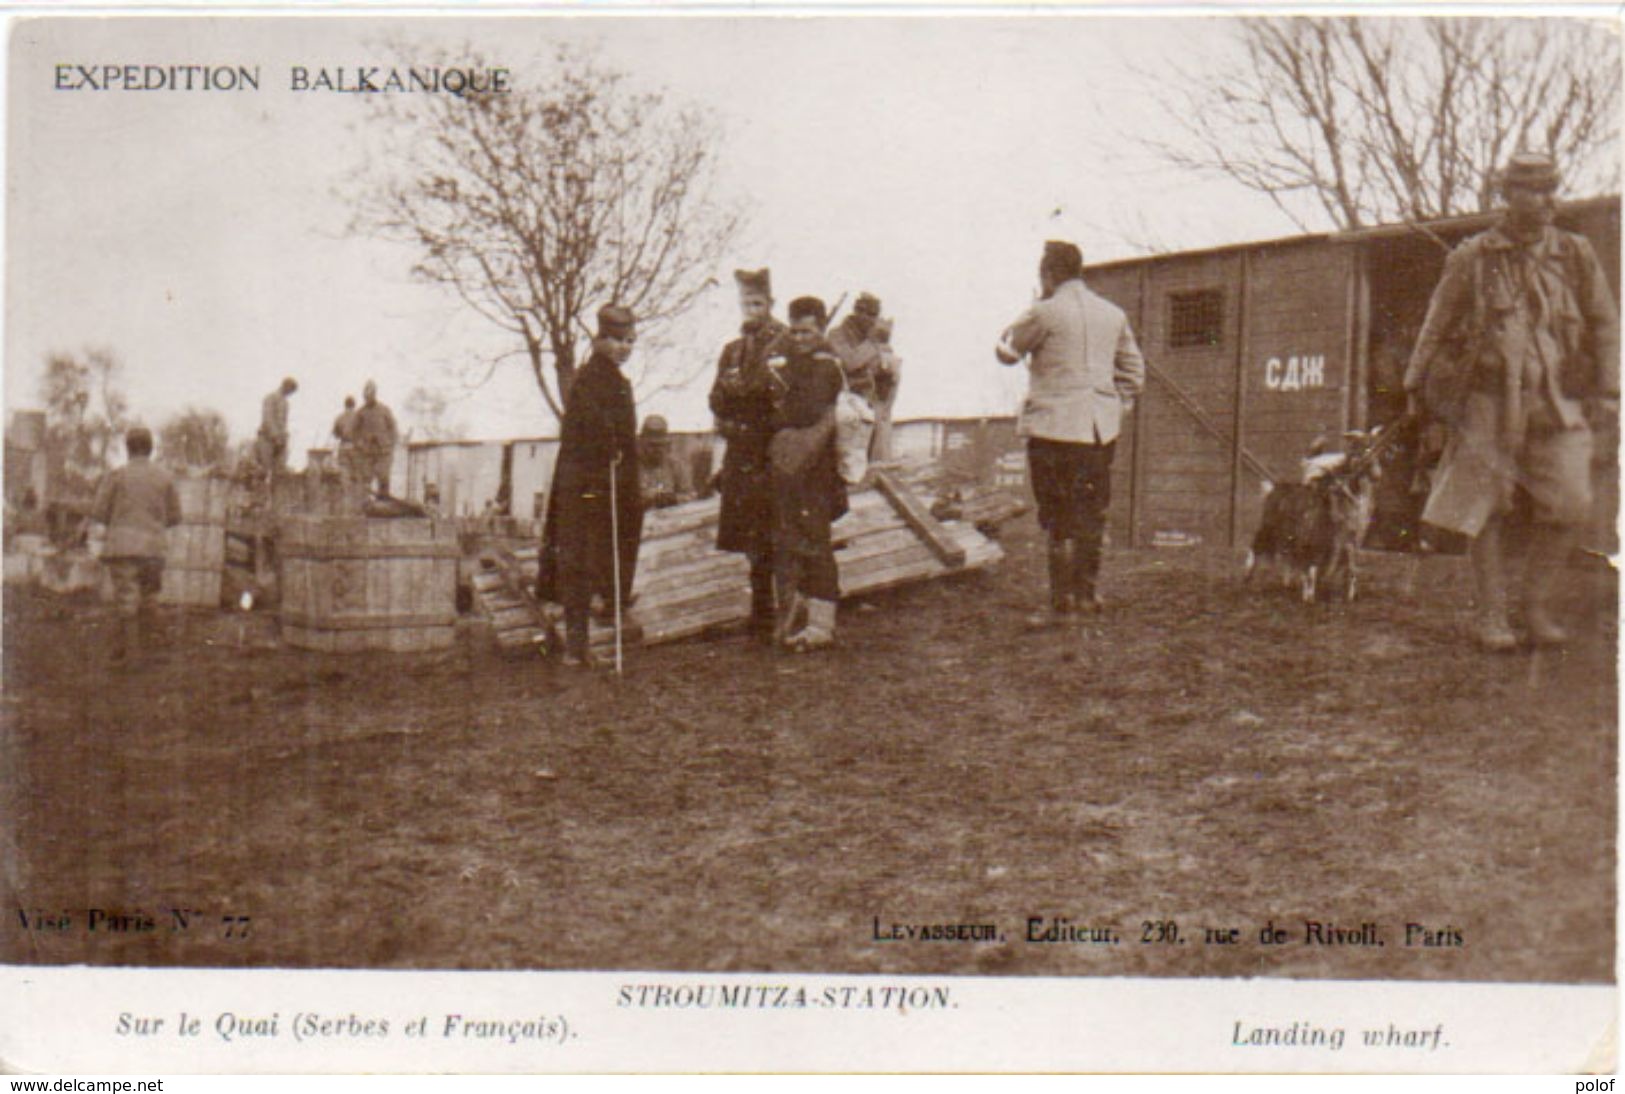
685	586
502	597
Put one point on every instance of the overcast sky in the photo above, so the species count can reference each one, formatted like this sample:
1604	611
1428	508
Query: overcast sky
202	236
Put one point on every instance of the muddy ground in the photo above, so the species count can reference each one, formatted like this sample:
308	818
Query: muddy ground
1206	755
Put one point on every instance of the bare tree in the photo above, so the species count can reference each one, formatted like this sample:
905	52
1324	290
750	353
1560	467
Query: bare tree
540	205
85	410
427	412
1378	120
195	438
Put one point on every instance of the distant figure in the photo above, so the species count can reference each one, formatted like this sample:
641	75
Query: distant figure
1086	371
808	492
663	479
271	446
374	437
1519	354
742	401
344	434
137	503
859	353
598	447
888	377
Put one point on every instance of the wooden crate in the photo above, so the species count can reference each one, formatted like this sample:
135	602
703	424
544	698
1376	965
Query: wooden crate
195	551
358	583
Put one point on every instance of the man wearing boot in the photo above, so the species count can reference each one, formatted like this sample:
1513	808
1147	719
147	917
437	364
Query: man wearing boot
598	444
137	503
808	492
1520	349
742	401
1085	371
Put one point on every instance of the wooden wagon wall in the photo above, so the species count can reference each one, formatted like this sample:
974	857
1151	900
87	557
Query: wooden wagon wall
1248	354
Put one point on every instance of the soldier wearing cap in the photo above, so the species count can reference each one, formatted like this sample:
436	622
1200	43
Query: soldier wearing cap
663	480
1520	349
138	504
742	399
374	435
860	355
1086	371
598	444
344	434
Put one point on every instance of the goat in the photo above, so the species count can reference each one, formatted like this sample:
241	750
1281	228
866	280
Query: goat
1312	529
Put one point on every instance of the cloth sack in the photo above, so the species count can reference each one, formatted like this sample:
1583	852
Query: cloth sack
793	450
854	425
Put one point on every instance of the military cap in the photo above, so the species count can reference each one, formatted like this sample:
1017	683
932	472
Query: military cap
654	426
808	307
615	321
1533	170
755	282
867	304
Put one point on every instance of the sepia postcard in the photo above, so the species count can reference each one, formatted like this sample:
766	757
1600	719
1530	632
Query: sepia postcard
810	541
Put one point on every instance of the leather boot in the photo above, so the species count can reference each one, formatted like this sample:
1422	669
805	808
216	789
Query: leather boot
762	602
125	641
793	609
820	629
1490	628
1549	548
1086	598
577	653
1061	599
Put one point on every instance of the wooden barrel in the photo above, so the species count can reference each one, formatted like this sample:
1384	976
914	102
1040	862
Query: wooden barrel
359	583
196	551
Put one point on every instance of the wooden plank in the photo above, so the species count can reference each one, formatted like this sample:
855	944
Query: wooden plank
717	577
916	517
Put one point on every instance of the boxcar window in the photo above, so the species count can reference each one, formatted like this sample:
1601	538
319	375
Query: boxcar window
1195	319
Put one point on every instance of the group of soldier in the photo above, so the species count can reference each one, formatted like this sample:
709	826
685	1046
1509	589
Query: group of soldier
366	437
1518	360
773	400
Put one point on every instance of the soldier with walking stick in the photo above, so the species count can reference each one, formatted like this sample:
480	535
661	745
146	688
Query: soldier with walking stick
594	513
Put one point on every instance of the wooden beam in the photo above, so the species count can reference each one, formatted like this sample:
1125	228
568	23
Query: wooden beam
920	520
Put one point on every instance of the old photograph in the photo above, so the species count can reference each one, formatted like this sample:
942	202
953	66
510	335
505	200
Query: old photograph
820	527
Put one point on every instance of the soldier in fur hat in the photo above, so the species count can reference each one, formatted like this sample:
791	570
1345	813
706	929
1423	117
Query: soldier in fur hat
808	492
742	401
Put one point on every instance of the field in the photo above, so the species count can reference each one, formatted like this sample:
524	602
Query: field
1205	754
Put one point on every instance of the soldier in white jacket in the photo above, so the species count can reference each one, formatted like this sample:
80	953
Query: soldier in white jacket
1085	371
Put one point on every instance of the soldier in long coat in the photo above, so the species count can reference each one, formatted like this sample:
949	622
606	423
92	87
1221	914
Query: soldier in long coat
1519	351
742	401
373	437
598	441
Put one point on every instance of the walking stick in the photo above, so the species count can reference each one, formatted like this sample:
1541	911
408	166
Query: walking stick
615	552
